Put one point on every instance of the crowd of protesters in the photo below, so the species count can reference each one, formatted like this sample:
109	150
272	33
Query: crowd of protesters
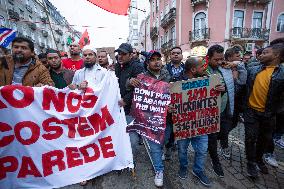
252	91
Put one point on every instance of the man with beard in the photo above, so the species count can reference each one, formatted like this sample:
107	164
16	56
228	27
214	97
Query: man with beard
60	76
193	68
92	73
103	59
75	62
22	68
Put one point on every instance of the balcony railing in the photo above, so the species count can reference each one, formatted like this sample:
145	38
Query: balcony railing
59	31
195	2
13	15
32	26
254	1
168	18
43	19
250	33
199	34
44	33
154	32
168	45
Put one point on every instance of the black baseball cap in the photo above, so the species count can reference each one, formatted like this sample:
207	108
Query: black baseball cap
124	47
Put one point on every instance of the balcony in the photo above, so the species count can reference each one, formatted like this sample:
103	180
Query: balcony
166	47
32	26
14	15
29	8
43	19
169	18
154	33
199	34
44	33
59	32
253	1
250	33
196	2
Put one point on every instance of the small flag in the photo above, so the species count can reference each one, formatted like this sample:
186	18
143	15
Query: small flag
70	40
85	40
6	36
114	6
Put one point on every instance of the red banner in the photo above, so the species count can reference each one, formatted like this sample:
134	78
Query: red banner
114	6
149	108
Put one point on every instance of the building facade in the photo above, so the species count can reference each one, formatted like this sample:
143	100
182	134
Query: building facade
39	21
133	25
145	43
201	23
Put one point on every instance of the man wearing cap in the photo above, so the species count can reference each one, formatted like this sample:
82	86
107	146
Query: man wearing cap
155	70
92	73
125	69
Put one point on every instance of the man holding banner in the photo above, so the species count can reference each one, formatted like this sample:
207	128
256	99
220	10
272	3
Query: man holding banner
149	108
193	68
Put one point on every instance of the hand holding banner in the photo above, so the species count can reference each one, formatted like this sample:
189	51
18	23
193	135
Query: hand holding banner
197	107
55	137
149	108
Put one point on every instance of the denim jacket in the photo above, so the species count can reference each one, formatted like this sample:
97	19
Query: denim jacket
276	88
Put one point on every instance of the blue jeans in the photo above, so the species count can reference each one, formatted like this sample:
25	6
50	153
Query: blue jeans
134	137
156	151
200	145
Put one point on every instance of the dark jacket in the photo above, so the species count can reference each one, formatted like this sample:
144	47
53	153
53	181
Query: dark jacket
67	75
164	75
169	68
276	88
123	73
36	73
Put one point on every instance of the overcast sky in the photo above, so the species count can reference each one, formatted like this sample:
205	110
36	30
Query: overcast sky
83	13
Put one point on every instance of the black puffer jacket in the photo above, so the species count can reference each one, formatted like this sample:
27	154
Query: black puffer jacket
125	72
276	88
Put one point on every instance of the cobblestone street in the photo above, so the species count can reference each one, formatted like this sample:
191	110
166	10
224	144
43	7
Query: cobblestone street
234	169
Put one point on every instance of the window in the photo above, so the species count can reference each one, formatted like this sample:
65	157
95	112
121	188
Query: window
166	37
199	21
199	25
162	40
238	19
161	15
280	23
238	23
257	20
173	4
135	22
173	32
2	20
135	32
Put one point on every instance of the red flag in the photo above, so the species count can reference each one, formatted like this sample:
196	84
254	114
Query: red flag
85	39
114	6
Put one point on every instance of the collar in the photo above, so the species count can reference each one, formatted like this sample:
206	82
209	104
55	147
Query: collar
27	64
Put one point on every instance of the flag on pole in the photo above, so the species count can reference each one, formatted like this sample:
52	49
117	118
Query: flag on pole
114	6
85	39
6	36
